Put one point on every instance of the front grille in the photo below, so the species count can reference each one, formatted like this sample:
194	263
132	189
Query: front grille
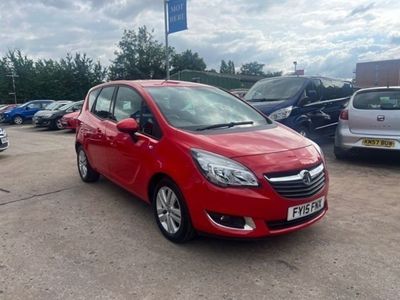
283	224
294	185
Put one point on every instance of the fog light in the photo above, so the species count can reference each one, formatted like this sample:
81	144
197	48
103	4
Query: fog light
235	222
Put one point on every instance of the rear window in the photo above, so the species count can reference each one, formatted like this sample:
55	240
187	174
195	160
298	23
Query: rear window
377	100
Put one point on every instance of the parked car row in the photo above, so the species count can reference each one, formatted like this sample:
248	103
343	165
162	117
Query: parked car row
43	113
52	116
209	162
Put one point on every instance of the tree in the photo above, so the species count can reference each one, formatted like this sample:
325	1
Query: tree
227	68
224	67
252	68
231	67
140	56
187	60
69	78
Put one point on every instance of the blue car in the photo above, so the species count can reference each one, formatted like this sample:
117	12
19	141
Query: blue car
309	105
21	113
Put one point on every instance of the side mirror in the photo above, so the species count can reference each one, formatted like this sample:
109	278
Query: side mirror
128	126
312	94
27	108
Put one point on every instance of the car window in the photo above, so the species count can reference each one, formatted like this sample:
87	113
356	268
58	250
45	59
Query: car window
377	100
273	89
127	104
148	123
92	97
193	108
34	105
102	105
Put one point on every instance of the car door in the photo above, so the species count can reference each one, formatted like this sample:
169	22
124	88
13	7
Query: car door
128	155
312	106
94	129
31	109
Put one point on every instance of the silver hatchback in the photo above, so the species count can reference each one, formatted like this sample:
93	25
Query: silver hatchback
370	120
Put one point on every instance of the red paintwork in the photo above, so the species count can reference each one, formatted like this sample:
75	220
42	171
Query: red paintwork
70	120
132	165
128	126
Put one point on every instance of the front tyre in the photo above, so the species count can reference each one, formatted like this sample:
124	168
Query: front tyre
87	173
171	213
56	124
18	120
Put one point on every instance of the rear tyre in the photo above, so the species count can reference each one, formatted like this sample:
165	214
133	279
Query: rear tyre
87	173
171	213
18	120
340	153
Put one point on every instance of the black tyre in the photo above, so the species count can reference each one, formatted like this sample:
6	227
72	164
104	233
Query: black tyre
56	124
18	120
340	153
87	173
171	213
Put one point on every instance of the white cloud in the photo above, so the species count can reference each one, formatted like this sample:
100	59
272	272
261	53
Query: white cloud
325	37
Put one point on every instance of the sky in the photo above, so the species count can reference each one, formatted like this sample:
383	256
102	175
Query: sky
325	37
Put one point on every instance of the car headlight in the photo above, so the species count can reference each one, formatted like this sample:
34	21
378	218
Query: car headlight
318	148
223	171
47	115
281	114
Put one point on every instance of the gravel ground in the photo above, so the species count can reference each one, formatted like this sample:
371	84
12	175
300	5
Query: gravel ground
63	239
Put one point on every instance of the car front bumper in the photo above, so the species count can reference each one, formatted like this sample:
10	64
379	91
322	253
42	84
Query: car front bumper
4	142
265	212
41	121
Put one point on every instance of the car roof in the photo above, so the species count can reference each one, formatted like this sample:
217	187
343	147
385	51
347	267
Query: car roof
155	83
379	88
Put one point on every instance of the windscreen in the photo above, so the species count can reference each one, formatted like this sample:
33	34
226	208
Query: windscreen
194	108
279	88
378	100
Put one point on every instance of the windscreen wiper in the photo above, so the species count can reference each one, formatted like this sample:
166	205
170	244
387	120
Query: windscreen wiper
231	124
264	99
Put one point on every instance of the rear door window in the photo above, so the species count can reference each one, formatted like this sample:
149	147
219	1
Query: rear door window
102	105
92	97
377	100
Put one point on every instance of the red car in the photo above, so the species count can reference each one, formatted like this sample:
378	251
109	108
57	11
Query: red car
70	121
205	160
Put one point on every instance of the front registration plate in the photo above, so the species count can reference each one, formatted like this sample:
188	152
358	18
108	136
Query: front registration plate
378	143
299	211
4	140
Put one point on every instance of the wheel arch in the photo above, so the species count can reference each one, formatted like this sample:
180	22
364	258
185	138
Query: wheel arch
155	179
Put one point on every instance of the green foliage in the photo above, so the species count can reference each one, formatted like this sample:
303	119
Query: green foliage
69	78
252	68
187	60
140	56
227	68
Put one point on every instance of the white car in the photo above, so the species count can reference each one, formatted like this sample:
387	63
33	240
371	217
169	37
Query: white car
4	143
371	120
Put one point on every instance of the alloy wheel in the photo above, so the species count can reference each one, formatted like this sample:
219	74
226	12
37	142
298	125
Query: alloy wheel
82	161
168	210
18	120
59	125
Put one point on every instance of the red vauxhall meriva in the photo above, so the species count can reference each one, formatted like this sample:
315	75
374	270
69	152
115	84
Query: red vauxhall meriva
205	160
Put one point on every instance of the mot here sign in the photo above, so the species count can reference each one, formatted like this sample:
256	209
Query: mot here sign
177	20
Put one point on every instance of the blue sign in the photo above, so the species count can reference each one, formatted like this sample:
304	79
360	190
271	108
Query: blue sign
177	17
